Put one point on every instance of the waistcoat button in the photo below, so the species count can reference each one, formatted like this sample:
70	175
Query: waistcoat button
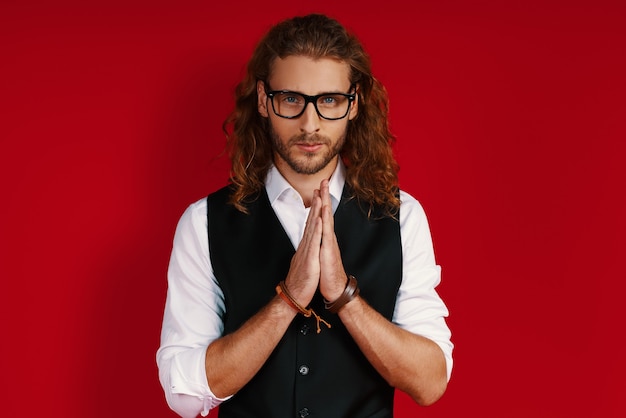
304	370
304	412
304	330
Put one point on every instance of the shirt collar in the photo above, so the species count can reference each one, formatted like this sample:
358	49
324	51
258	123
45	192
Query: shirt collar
276	185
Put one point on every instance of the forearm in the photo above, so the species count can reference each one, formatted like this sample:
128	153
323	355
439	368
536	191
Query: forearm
231	361
409	362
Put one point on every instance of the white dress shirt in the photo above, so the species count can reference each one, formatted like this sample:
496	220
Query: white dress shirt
195	303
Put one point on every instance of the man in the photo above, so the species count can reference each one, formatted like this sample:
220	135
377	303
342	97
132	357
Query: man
307	286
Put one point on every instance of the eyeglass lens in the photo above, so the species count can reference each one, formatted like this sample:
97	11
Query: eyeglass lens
329	106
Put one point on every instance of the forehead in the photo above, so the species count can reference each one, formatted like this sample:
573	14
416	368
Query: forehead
309	76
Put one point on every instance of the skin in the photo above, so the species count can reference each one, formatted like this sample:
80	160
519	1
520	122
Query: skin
407	361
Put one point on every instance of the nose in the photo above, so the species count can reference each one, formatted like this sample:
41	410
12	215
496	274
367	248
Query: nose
309	120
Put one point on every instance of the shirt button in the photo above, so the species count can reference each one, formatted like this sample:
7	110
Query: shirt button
304	412
304	370
304	330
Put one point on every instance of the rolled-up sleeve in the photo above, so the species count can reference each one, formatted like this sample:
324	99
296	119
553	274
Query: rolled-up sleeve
192	319
419	308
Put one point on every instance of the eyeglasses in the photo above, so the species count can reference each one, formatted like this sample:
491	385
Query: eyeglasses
290	104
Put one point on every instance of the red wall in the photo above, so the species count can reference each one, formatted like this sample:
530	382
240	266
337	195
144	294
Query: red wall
511	132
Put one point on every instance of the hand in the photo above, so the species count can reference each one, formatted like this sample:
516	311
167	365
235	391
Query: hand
304	272
333	278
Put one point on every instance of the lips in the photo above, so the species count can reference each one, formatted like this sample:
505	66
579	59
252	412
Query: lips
308	147
309	144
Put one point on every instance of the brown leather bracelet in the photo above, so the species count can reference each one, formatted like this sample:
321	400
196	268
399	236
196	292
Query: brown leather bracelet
350	292
281	290
285	296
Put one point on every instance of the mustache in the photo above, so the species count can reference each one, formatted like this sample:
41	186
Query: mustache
309	139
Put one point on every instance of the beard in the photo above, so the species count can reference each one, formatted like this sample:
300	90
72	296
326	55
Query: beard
309	162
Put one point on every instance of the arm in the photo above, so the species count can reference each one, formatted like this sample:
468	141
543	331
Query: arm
198	366
192	317
408	361
231	361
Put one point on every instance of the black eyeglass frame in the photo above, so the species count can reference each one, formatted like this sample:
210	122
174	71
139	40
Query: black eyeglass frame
310	99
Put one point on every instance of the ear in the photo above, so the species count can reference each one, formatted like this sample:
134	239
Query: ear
262	99
354	109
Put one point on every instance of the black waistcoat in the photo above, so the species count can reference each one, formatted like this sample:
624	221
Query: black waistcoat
311	375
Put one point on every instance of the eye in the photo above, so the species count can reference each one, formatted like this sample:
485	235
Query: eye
331	100
290	98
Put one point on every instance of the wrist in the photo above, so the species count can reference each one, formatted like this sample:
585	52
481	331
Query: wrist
350	292
283	293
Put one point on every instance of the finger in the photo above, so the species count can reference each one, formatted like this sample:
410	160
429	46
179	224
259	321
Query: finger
316	239
325	192
327	206
328	227
310	250
316	206
314	214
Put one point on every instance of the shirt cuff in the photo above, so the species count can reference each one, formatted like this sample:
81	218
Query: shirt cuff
188	383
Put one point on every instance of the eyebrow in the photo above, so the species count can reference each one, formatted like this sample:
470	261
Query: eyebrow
269	89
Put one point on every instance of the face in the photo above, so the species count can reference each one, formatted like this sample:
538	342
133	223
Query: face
307	144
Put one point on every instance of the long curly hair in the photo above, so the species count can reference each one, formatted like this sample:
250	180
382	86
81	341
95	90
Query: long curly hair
371	169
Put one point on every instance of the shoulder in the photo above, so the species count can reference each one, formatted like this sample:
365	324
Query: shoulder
198	206
410	206
412	218
199	209
193	217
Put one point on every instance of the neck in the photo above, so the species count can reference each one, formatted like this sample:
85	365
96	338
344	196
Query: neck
305	184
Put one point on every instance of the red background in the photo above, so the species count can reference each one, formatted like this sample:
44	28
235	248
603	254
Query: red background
511	130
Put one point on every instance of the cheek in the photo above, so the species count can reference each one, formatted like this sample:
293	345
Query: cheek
340	130
284	127
281	128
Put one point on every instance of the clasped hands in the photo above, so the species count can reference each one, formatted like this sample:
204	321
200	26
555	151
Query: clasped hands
317	261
